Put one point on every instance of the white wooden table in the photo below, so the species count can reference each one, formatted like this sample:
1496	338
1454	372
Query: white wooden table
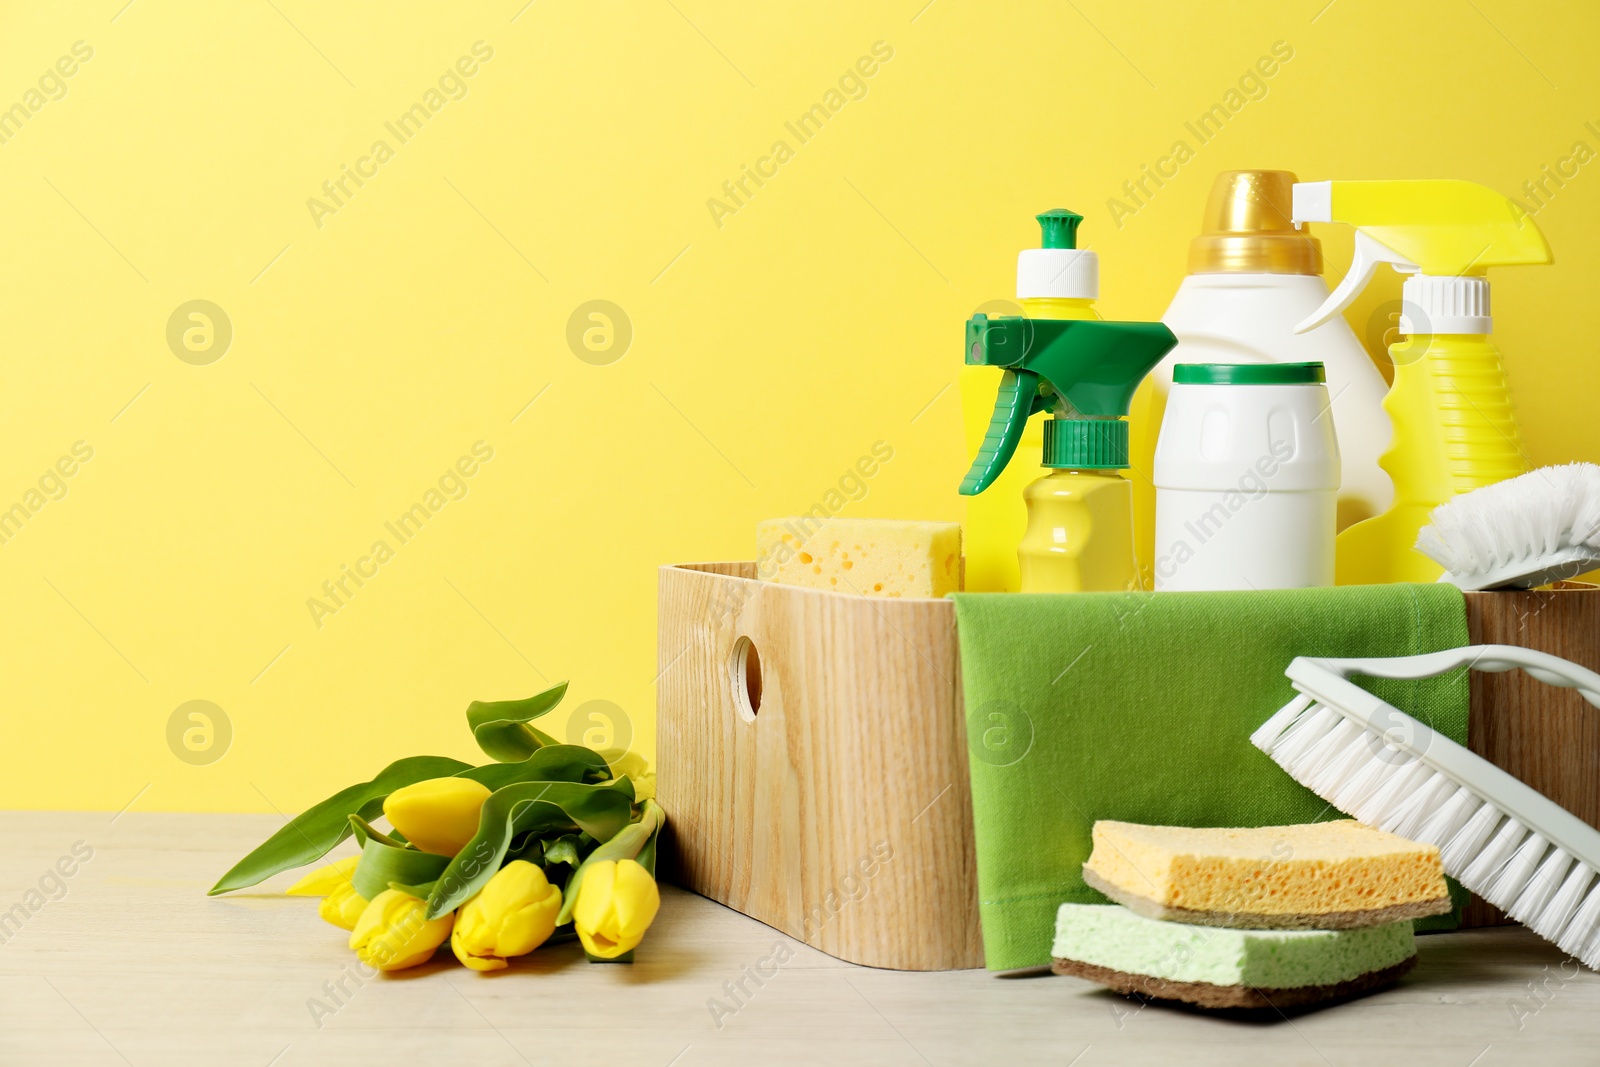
131	963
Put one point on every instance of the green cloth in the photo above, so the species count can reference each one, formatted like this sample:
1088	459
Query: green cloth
1140	706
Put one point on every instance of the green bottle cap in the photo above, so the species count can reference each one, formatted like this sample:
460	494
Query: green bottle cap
1248	374
1059	228
1086	444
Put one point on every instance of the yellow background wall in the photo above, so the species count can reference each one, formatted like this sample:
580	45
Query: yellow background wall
374	345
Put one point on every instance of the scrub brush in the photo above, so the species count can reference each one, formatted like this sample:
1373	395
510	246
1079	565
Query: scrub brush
1523	532
1511	845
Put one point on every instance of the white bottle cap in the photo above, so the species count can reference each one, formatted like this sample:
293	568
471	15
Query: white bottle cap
1431	304
1073	273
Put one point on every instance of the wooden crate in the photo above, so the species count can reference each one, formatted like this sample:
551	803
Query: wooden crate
839	810
812	754
1548	737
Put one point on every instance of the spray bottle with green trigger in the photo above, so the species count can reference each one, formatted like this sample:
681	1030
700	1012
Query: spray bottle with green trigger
1454	426
1079	534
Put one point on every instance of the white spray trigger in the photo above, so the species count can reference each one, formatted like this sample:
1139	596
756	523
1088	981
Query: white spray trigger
1369	252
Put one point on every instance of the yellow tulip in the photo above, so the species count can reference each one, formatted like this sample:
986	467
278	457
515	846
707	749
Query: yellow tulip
513	914
636	767
341	904
644	787
617	901
439	815
394	932
324	880
343	907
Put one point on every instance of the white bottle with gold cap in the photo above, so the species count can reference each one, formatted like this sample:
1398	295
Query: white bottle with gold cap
1254	276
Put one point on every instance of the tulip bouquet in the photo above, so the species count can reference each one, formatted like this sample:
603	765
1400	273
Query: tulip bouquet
547	843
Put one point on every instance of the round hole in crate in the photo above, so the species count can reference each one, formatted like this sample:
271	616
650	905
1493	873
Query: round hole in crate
745	673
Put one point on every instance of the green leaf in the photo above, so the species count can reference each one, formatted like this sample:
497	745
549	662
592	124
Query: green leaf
553	763
385	861
537	808
636	841
501	727
365	832
419	891
314	832
525	847
647	854
563	849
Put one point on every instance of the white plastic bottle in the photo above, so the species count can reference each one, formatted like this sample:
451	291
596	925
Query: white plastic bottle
1246	470
1254	276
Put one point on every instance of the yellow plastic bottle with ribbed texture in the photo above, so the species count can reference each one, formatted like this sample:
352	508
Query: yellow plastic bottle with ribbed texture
1454	431
1454	428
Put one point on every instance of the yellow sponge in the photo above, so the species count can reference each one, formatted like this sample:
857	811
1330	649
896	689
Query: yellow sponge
1327	876
870	557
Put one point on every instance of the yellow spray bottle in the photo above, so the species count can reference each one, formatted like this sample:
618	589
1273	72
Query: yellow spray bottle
1078	532
1057	280
1454	427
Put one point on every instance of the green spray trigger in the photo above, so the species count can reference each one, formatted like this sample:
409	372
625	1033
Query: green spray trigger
1082	369
1019	398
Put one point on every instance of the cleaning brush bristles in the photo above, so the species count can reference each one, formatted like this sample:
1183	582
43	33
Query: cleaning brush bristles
1526	531
1512	846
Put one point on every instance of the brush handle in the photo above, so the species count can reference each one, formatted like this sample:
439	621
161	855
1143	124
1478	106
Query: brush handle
1372	773
1552	670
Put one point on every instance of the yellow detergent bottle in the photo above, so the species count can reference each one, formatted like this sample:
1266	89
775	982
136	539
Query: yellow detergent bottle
1076	529
1454	427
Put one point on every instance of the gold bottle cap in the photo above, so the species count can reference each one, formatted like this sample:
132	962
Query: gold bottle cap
1247	228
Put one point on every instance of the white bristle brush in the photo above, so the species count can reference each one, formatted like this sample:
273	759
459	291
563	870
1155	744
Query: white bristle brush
1513	846
1526	531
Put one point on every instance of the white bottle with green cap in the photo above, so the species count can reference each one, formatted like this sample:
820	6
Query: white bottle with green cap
1247	478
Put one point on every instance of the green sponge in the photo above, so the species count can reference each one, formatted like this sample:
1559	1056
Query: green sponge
1224	968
